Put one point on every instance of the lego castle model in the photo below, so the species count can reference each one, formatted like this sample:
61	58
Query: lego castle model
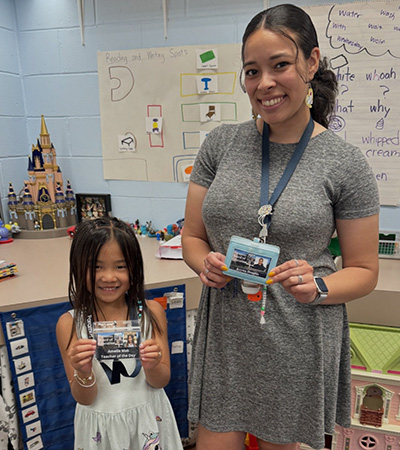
43	204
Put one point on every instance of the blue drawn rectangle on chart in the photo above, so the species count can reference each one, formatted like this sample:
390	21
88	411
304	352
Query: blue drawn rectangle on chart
179	158
187	136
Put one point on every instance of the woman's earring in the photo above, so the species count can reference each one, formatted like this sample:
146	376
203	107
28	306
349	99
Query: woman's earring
254	116
310	97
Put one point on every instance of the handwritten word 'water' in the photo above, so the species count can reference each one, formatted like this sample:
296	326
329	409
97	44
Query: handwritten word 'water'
376	33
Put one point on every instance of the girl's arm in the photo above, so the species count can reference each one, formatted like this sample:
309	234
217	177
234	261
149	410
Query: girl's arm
154	352
195	247
77	359
359	241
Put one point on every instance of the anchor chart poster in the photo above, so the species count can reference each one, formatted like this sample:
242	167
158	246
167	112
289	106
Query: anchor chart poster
158	104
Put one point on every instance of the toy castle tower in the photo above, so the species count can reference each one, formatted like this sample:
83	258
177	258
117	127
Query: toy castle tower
43	204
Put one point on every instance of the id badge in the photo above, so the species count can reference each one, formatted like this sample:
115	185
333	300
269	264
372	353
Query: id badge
250	260
116	340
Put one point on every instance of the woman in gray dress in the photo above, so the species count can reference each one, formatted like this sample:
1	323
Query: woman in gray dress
279	368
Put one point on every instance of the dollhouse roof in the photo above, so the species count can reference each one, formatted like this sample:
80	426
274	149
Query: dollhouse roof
375	348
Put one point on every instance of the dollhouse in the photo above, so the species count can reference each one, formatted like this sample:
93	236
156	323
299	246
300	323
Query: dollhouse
375	360
43	204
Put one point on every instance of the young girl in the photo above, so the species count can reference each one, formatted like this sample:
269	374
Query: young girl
121	405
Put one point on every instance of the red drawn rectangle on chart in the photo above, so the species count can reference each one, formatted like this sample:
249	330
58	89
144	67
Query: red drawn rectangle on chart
155	111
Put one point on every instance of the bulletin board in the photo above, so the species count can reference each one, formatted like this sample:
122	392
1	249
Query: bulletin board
158	104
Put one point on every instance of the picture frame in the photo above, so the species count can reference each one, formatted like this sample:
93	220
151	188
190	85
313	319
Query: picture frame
91	206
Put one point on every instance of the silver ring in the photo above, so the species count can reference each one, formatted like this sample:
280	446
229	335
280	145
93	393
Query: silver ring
206	271
300	279
159	355
296	262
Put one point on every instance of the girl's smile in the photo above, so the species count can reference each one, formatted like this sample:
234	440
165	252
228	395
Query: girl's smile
112	276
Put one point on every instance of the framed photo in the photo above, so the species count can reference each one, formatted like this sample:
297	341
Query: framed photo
91	206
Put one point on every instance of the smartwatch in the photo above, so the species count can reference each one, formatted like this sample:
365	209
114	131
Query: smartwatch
322	291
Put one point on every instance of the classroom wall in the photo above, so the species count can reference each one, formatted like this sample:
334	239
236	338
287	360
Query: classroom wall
44	69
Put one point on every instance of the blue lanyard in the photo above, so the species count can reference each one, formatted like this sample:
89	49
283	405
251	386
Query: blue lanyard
266	206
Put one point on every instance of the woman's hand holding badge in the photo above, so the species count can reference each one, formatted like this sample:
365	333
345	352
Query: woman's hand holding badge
297	278
212	274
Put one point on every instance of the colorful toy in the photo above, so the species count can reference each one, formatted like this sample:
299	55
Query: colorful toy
151	231
7	270
375	393
43	204
4	234
14	228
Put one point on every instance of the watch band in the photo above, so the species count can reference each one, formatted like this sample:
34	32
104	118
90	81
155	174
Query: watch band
318	299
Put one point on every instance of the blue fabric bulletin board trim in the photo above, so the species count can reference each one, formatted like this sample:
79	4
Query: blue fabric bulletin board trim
55	404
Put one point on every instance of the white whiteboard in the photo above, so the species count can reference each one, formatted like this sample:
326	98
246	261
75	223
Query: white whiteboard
361	40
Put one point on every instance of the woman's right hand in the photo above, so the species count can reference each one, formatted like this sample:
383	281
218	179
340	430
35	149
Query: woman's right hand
81	354
213	274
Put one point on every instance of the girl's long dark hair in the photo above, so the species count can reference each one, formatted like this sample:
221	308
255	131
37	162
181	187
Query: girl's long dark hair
89	238
290	18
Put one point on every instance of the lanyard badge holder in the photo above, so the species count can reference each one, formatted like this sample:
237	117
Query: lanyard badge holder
251	261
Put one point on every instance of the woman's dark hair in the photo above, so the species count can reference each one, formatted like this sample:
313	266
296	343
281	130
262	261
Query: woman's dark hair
287	18
89	238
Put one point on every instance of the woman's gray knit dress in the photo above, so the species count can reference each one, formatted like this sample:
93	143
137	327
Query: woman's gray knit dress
289	379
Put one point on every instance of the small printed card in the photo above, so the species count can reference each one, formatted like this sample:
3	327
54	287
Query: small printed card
116	339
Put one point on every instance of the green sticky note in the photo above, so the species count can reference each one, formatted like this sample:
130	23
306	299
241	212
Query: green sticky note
207	56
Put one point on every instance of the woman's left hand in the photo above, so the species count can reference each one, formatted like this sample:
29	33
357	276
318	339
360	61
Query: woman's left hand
150	354
297	278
